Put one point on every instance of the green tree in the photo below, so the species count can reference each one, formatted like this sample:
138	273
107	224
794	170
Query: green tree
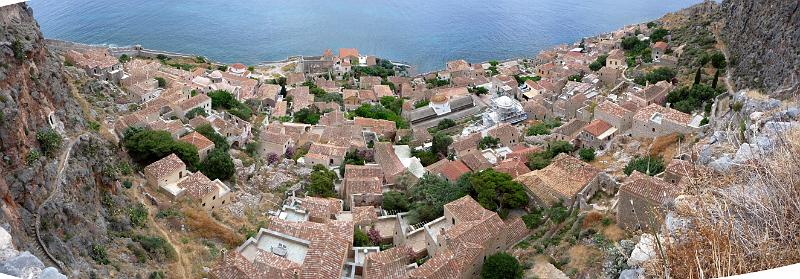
321	182
698	76
360	239
207	131
310	115
396	201
50	141
648	165
587	154
124	58
538	129
147	146
718	60
502	266
195	112
162	83
488	142
445	124
497	191
218	165
440	143
659	35
429	196
222	99
422	103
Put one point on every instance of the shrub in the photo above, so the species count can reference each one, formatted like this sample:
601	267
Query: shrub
737	106
718	60
50	141
445	124
157	247
195	112
32	157
19	52
422	103
648	165
488	142
218	165
659	74
538	129
587	154
360	239
138	215
501	266
162	83
310	115
704	121
147	146
395	201
533	219
124	58
127	184
98	254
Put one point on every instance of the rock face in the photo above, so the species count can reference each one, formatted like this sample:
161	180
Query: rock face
763	39
22	264
84	208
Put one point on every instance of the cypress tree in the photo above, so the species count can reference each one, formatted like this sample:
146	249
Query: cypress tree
716	79
697	75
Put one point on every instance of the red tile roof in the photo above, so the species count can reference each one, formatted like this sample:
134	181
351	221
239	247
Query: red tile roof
597	127
198	140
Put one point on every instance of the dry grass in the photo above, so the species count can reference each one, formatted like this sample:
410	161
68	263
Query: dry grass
751	225
202	225
583	257
614	233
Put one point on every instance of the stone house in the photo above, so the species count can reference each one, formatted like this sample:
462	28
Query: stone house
210	194
267	95
507	134
566	179
616	60
389	161
614	114
301	98
165	172
655	120
98	63
597	134
654	93
568	131
198	101
609	75
643	201
274	143
368	82
203	145
325	154
466	144
659	50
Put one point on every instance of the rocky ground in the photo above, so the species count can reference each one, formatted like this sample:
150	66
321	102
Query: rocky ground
23	264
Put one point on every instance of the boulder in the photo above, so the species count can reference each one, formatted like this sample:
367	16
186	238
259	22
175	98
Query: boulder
644	251
744	154
632	274
722	164
24	265
51	273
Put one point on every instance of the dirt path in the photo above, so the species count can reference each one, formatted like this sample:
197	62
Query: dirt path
151	211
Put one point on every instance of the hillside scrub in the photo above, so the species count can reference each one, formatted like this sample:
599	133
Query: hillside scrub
743	221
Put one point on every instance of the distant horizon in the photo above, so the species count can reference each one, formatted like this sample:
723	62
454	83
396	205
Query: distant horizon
421	34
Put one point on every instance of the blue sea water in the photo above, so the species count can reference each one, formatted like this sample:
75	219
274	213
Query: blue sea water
423	33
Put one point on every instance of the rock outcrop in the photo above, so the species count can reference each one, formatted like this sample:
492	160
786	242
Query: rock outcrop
763	40
23	264
66	203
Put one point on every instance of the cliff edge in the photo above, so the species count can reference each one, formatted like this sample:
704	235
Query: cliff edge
763	39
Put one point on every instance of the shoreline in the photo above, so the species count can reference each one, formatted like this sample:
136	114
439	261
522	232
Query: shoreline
138	50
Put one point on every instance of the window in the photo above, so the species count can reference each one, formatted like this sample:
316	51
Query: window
214	197
204	204
453	220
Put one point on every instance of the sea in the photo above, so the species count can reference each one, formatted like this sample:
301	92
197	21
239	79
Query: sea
422	33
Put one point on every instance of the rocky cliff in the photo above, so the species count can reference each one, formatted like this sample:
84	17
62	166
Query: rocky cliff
763	39
67	202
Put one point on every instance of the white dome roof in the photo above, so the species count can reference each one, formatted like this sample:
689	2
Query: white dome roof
504	102
215	74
